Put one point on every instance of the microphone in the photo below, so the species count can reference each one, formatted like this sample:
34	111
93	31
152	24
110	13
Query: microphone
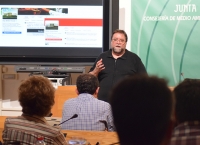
74	116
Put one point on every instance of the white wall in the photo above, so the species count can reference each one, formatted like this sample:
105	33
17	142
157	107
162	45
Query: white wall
125	18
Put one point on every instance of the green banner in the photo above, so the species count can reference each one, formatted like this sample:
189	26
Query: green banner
166	36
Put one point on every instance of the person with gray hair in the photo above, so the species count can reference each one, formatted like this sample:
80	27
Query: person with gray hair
113	65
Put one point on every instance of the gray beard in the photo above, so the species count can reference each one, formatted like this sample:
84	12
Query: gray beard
118	51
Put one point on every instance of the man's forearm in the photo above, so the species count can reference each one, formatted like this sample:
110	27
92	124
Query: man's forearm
95	73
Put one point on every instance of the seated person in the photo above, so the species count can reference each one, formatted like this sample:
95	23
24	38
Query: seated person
93	114
143	111
187	110
36	96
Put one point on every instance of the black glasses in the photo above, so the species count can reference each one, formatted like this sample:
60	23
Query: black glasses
118	40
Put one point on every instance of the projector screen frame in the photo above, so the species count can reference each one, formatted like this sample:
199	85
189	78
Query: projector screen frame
110	23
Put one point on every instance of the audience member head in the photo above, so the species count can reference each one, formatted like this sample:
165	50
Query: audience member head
122	32
142	109
187	95
36	96
87	83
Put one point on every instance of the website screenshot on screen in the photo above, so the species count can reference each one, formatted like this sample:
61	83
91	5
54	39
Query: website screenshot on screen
58	26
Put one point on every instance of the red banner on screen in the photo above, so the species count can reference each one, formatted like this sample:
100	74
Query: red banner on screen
77	22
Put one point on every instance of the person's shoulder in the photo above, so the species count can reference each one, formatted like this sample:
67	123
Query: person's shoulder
16	121
71	100
130	52
106	53
13	118
103	103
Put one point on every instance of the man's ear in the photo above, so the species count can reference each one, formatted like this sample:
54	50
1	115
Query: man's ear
96	92
77	91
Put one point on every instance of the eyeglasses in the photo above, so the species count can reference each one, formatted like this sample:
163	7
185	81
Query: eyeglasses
118	40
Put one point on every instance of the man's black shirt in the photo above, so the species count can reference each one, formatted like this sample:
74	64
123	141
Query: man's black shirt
116	69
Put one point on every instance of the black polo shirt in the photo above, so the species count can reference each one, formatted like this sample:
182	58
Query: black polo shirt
116	69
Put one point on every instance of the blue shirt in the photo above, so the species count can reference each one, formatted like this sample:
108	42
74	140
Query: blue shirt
90	111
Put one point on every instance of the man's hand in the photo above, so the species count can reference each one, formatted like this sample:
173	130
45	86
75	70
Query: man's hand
99	67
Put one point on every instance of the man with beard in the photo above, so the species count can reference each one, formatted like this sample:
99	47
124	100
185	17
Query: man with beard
115	64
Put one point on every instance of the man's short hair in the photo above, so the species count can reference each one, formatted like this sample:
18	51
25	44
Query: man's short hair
87	83
36	96
142	108
120	31
187	95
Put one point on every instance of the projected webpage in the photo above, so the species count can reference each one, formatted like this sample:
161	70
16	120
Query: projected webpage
58	26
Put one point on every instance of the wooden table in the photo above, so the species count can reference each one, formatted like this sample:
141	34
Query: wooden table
2	120
103	137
